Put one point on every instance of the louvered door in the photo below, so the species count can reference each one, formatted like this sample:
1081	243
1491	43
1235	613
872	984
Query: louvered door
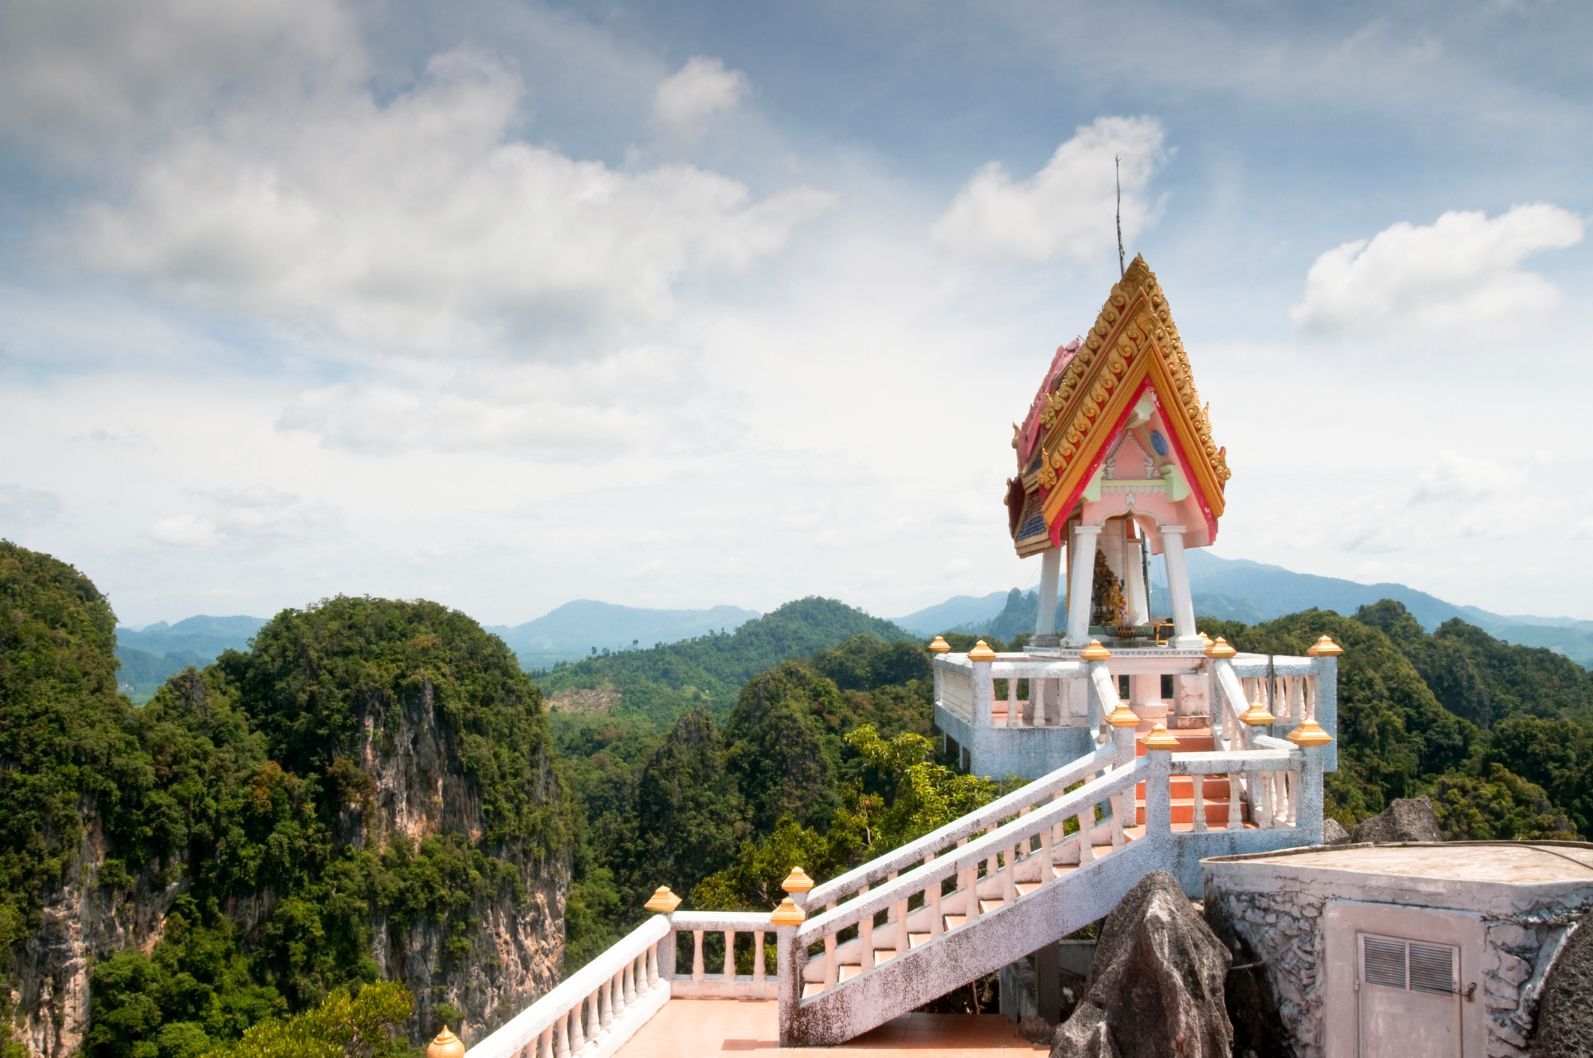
1408	997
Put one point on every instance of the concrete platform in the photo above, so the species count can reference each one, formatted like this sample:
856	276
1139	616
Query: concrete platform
690	1028
1508	862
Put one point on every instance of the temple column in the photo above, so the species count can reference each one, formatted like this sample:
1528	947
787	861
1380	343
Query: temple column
1138	601
1184	636
1082	563
1045	620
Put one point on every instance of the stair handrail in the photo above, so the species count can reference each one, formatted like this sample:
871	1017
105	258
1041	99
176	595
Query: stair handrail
1116	779
1038	792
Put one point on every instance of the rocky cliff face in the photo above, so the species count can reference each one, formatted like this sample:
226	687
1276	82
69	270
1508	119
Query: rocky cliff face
82	920
418	791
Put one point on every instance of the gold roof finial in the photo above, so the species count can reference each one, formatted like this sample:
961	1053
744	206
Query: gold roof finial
662	901
981	652
939	645
1324	648
1160	738
446	1045
1094	652
788	914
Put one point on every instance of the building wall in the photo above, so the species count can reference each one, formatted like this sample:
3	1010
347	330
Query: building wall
1301	924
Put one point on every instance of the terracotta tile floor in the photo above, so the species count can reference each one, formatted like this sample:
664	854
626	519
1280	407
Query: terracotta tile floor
689	1028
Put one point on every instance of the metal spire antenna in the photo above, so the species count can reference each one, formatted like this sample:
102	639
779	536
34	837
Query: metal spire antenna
1117	170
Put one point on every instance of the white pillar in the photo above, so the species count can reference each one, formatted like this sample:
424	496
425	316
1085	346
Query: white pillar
1138	602
1184	636
1045	620
1083	583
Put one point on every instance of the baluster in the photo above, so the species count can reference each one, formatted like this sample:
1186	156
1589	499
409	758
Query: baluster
1047	864
545	1043
757	957
578	1026
652	960
730	955
561	1045
865	934
1121	807
1197	786
1235	808
1009	877
594	1015
932	899
972	889
1086	820
1013	719
605	1004
696	955
1266	799
627	983
831	970
1292	779
899	909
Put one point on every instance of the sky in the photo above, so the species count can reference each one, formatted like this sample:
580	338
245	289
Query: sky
503	304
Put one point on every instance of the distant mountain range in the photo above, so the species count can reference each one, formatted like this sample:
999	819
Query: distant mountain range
1234	589
1240	590
580	628
576	630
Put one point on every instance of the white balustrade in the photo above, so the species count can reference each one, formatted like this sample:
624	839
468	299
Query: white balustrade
738	931
597	1008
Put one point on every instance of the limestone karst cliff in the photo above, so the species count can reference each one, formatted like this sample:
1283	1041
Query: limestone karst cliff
366	793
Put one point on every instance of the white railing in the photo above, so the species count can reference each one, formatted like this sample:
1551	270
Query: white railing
923	850
955	691
1002	865
752	927
597	1008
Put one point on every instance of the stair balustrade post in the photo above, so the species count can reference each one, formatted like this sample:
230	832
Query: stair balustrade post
1159	745
1308	812
790	958
663	902
1324	712
983	685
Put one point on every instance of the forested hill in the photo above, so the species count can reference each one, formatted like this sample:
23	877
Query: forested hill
706	672
267	833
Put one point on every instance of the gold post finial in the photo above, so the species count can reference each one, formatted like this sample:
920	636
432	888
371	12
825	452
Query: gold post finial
446	1045
1094	652
788	914
797	881
662	901
1220	648
1257	714
1160	738
981	652
1324	648
1122	716
939	645
1309	733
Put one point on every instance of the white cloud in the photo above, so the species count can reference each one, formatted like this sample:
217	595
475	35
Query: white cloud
687	98
1068	208
420	221
582	411
22	507
186	530
1461	271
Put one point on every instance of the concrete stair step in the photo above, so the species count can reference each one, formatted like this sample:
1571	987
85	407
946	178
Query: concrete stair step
1183	811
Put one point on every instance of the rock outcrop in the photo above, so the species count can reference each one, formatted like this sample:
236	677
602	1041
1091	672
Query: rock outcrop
1565	1006
1252	1003
1405	819
1156	986
1333	832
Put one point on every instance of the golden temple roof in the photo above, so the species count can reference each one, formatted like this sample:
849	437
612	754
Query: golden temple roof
1089	393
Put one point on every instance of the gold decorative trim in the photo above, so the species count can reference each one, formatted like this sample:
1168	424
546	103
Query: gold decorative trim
939	645
1220	649
788	914
446	1045
1309	733
662	901
1160	738
1094	652
797	881
1134	338
981	652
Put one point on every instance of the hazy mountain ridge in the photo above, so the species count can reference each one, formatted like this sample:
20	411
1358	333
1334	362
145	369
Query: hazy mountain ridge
1236	589
574	630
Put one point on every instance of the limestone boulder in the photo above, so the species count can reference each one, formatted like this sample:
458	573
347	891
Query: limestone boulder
1565	1006
1155	989
1405	819
1333	832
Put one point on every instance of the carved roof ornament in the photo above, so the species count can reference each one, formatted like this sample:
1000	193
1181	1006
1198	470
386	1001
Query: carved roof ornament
1092	387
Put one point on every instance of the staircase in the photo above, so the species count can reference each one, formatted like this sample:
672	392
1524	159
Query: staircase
1035	866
